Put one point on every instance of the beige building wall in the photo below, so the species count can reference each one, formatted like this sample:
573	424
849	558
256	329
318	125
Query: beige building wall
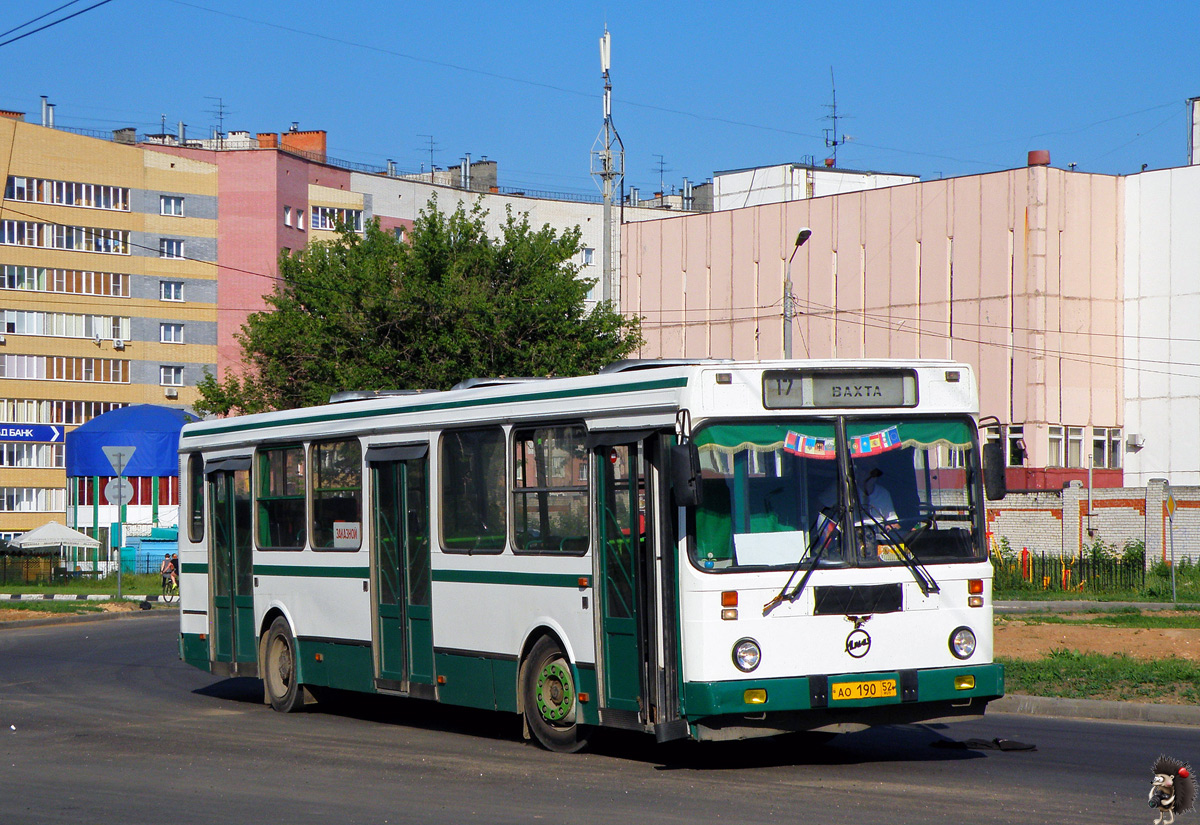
32	488
1016	272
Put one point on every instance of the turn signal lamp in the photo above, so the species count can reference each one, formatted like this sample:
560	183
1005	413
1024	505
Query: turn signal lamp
975	586
729	598
964	682
755	696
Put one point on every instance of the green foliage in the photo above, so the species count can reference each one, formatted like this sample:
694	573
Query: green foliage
1134	552
447	303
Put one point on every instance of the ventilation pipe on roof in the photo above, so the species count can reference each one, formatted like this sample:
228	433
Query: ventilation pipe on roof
51	115
1039	157
45	110
181	133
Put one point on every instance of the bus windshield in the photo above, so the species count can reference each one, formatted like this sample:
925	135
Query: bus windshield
776	493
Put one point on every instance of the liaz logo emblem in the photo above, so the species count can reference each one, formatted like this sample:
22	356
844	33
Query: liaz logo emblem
858	643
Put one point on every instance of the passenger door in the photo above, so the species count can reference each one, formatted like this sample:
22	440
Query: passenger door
404	613
624	541
230	560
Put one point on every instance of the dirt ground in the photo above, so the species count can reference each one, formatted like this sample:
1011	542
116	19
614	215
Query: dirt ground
9	615
1017	640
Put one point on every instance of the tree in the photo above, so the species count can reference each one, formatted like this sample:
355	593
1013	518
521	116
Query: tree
447	303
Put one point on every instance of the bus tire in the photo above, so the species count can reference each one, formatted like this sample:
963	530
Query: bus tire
279	669
549	698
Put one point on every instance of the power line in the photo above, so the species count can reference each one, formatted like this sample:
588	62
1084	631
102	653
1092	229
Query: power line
52	23
39	17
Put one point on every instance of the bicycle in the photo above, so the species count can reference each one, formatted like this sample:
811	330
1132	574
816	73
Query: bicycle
170	590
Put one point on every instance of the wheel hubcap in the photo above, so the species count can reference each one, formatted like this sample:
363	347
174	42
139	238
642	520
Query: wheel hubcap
555	695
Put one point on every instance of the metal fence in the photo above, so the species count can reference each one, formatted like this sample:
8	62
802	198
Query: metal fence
1074	574
25	569
47	569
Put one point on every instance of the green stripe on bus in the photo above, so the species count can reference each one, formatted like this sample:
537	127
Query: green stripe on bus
311	572
194	567
316	418
509	577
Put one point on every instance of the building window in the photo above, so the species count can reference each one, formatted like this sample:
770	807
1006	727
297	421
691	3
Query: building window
67	193
32	499
170	248
170	376
170	290
1106	447
171	205
170	333
1055	458
1016	445
76	282
64	368
300	219
287	216
63	324
59	236
1074	447
329	217
588	255
399	233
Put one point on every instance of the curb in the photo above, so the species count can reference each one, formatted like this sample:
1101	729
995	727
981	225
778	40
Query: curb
1100	709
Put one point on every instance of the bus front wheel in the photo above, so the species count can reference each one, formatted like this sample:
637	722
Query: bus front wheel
549	698
279	669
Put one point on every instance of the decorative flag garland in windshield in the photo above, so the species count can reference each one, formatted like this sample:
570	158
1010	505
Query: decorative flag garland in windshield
860	445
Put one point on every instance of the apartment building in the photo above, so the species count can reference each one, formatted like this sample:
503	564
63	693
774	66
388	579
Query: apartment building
108	288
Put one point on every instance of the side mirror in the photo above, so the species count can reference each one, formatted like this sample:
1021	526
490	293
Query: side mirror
685	475
994	483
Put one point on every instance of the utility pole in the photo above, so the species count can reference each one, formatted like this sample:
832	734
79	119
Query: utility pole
608	164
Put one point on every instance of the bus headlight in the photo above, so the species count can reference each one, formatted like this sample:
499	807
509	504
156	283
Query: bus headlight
962	642
746	655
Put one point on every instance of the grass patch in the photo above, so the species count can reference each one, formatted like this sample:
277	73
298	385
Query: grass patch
1187	618
138	583
1074	675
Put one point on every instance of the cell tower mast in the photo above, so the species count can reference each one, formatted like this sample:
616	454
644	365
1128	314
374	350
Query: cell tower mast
608	164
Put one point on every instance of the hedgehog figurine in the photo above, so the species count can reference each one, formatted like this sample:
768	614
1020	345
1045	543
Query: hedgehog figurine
1173	790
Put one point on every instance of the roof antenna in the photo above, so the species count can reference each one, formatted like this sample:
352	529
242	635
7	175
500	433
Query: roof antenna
832	139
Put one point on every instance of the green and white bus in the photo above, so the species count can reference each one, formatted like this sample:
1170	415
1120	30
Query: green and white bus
706	549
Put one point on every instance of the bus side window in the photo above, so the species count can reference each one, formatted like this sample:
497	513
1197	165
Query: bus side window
473	483
337	495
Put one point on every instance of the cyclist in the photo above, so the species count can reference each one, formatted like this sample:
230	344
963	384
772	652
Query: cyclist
167	570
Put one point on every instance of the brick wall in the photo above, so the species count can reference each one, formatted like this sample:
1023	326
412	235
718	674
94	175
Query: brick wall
1058	522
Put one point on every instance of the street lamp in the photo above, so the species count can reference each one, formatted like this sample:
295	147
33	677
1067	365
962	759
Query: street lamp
803	235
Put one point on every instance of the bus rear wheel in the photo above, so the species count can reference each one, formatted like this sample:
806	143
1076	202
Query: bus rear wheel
279	669
550	700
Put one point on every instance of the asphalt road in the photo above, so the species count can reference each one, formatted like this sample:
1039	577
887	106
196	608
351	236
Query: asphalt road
100	722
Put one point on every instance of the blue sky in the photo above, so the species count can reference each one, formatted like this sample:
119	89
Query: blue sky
926	88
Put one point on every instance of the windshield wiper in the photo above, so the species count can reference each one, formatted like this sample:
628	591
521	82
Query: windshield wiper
823	535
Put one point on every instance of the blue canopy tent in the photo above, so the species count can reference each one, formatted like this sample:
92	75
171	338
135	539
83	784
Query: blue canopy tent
152	432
